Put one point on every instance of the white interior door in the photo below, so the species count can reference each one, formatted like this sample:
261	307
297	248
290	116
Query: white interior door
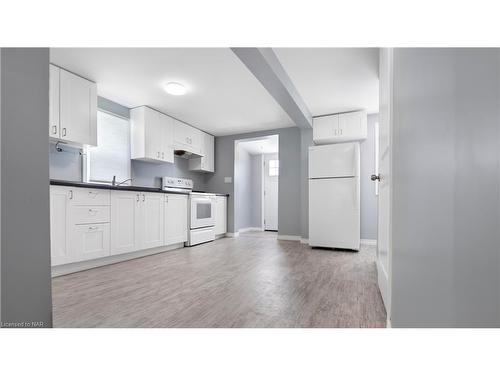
384	182
271	178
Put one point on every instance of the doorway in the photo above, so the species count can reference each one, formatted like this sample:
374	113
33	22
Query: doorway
256	180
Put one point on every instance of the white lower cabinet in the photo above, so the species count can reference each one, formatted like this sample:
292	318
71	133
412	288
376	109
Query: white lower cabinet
136	221
78	231
220	215
175	218
124	212
90	241
151	220
59	225
88	224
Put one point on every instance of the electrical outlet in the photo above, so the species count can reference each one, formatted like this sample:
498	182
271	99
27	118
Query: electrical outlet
228	180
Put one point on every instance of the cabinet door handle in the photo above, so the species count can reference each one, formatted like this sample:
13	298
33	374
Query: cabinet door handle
143	197
64	132
340	131
71	194
54	129
137	197
92	228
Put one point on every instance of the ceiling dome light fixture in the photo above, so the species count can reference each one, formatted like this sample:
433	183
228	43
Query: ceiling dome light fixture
175	88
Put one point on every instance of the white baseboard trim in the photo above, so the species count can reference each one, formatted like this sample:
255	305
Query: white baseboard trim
304	241
286	237
368	242
250	229
218	236
232	235
65	269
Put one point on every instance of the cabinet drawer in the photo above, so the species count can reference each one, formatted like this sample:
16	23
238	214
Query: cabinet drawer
90	241
90	214
90	197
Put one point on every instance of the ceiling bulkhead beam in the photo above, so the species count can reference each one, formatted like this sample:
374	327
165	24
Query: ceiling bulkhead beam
265	66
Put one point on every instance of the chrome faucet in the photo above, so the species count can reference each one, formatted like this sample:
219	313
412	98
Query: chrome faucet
114	183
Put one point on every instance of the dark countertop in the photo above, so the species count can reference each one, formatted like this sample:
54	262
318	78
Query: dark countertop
110	187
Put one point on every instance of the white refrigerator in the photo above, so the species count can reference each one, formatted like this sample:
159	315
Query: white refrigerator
334	196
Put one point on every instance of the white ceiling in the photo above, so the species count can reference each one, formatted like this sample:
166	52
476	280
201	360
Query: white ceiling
331	80
223	98
257	146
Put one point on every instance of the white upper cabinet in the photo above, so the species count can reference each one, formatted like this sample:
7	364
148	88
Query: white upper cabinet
54	120
151	135
167	138
325	127
72	108
343	127
353	126
204	163
188	138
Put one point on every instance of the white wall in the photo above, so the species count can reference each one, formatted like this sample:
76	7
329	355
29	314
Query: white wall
242	188
446	245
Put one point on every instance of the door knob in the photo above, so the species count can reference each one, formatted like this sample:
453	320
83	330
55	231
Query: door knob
375	177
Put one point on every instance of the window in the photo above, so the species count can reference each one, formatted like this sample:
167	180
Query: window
112	155
274	168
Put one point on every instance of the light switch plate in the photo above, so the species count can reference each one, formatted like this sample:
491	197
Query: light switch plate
228	180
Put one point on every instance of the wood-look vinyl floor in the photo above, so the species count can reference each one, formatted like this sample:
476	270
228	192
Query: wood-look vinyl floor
254	280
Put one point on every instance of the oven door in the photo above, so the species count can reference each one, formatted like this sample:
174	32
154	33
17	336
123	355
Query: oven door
202	211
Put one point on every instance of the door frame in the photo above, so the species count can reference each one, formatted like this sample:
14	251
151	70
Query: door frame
384	278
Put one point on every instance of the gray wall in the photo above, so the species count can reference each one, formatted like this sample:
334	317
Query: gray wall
445	255
289	183
368	198
242	189
247	189
67	165
148	174
25	232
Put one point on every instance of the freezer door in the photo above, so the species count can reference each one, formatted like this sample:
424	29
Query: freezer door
337	160
334	214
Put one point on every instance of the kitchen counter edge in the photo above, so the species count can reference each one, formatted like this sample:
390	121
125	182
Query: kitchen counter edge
119	188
